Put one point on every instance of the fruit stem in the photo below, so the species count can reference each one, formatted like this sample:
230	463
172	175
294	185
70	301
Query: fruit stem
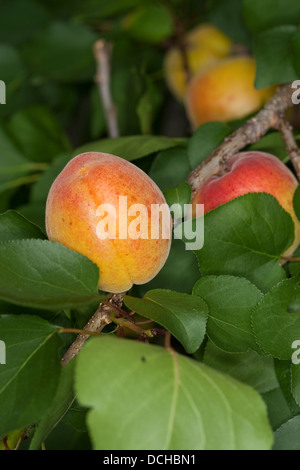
132	326
291	258
168	340
121	311
79	331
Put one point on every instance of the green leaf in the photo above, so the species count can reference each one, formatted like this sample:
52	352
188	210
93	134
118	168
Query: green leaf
278	410
97	122
20	19
296	50
178	403
271	143
284	376
47	275
76	417
170	167
62	51
275	328
227	16
32	127
296	202
248	367
130	147
13	74
171	275
180	195
13	226
148	105
287	437
100	10
65	437
245	237
29	378
183	315
14	167
273	69
126	90
230	302
35	212
11	157
62	401
267	14
139	23
42	187
12	68
206	139
295	375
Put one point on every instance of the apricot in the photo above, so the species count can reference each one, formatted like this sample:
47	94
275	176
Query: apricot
204	45
225	91
251	172
80	212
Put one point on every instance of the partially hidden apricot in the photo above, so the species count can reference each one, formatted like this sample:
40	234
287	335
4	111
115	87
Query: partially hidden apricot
225	91
203	46
251	172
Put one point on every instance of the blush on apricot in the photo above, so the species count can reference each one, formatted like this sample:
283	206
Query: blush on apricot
251	172
88	181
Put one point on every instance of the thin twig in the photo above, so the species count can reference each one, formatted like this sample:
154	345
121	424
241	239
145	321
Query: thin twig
122	312
286	130
98	321
79	331
252	131
102	53
291	258
168	340
131	325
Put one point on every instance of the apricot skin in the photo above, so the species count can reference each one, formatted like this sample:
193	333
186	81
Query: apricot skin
204	45
92	179
225	91
251	172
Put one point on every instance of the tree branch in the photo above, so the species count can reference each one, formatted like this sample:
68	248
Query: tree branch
102	53
271	116
98	321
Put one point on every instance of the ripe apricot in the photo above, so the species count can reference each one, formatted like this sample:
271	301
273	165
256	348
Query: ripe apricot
82	197
225	91
203	45
251	172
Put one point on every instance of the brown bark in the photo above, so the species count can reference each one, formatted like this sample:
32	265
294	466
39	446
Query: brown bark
98	321
271	116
